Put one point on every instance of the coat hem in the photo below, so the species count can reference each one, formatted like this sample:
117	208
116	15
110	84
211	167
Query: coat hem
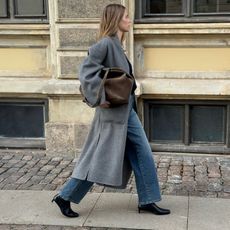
115	186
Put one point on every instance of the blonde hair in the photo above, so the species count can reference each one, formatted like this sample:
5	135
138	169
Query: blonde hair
111	17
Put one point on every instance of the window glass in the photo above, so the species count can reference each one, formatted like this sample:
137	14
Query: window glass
3	8
20	120
163	6
167	123
207	123
211	6
29	7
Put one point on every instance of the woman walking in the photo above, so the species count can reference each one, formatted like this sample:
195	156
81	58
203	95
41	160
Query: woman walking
116	143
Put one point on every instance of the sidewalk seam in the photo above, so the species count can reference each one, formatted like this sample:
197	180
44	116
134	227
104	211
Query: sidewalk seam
188	212
83	225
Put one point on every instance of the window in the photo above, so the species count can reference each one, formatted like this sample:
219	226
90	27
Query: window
188	125
23	11
22	121
182	10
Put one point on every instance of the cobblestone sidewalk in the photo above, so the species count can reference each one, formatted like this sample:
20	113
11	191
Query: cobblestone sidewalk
198	175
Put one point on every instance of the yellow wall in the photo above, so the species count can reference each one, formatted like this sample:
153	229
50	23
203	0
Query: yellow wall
187	59
23	59
69	110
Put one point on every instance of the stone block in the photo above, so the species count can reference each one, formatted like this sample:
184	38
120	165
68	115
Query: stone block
60	138
81	8
70	66
73	38
65	138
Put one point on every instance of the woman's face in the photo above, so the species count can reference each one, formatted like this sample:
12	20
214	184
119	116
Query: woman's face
125	22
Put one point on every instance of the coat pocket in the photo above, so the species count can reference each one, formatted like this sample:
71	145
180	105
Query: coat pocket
115	115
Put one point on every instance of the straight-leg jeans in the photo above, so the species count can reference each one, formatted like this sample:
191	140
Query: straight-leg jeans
139	154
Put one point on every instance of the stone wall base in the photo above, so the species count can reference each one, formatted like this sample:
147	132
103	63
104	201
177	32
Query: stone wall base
65	139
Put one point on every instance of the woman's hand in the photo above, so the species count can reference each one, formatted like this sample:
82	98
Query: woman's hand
105	105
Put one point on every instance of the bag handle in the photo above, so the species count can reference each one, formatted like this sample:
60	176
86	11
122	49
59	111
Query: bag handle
106	76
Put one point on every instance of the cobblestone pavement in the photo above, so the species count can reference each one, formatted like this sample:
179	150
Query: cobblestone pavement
196	175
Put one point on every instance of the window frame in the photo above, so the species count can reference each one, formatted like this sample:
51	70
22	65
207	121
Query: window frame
26	142
186	16
187	145
13	17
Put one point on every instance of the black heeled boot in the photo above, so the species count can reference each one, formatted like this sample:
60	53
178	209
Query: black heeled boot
64	206
153	208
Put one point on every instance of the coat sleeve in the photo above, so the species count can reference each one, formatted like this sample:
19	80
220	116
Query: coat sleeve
90	71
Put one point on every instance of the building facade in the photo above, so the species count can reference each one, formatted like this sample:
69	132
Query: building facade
180	50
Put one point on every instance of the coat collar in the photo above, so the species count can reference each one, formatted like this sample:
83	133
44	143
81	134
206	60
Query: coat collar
118	42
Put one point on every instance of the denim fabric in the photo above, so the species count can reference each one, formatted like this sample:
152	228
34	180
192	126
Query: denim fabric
139	154
74	190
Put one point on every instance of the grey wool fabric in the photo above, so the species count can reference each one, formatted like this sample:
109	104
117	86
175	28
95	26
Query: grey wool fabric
102	158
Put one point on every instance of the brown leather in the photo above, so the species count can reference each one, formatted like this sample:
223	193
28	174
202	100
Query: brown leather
118	85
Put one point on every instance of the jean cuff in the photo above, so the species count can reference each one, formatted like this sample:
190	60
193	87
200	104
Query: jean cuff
150	202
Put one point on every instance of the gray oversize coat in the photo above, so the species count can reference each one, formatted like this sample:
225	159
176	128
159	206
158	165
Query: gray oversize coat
102	158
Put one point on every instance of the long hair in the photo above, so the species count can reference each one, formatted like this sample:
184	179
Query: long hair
111	17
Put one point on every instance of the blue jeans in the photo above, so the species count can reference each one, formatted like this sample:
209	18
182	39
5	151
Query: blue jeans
139	154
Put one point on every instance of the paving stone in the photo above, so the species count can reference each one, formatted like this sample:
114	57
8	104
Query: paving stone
47	168
27	157
41	173
10	187
48	179
57	159
12	179
2	170
223	195
7	157
59	181
23	179
187	178
214	174
36	179
189	185
65	174
57	170
226	188
176	163
5	227
165	159
214	187
37	187
200	169
50	187
54	163
32	162
25	186
20	164
163	165
211	194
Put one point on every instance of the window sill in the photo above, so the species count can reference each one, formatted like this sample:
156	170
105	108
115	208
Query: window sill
180	28
26	86
24	29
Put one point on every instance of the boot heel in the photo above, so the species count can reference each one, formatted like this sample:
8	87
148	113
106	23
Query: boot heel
54	198
139	210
